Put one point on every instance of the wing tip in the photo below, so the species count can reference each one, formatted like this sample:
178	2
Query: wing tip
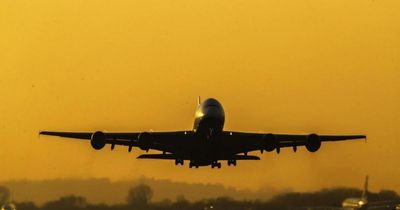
43	132
142	156
359	137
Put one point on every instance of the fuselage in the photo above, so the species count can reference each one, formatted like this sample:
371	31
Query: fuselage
209	119
354	203
357	203
208	127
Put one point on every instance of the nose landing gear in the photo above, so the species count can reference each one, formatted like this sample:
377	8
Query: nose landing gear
193	164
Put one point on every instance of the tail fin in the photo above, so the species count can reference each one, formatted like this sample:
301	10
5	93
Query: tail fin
364	195
198	100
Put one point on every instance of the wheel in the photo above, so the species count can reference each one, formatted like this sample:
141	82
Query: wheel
219	165
231	162
178	162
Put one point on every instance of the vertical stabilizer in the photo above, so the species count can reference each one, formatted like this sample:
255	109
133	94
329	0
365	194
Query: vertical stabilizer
364	195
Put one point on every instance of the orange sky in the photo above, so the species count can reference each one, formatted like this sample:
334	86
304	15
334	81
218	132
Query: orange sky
291	66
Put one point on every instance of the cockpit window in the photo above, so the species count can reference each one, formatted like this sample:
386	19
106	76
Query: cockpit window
212	102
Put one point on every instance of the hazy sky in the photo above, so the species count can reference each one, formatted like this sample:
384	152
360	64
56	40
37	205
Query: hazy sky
290	66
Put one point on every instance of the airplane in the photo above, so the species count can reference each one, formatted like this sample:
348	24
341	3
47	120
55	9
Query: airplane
362	202
357	203
8	206
207	143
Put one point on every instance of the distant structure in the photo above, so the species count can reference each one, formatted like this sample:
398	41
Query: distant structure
357	203
8	206
362	203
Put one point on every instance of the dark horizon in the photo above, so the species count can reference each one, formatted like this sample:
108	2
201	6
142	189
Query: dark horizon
140	197
54	188
97	190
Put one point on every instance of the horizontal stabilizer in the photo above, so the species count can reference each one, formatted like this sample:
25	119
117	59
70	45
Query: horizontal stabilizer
173	157
158	156
245	157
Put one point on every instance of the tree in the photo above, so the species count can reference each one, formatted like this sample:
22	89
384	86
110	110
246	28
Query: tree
140	196
67	203
27	206
5	195
181	203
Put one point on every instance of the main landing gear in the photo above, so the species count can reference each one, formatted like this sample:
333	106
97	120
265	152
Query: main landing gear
232	162
215	164
179	162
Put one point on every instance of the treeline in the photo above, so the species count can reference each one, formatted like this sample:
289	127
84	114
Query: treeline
140	198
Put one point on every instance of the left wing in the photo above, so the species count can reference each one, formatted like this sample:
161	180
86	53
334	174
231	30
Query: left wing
240	142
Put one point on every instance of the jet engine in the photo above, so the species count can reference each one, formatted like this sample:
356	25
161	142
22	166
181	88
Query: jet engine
98	140
270	142
313	142
145	140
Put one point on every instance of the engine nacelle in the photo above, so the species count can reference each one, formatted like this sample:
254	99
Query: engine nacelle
270	142
313	142
98	140
145	139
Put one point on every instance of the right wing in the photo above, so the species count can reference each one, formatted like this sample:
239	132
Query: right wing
173	141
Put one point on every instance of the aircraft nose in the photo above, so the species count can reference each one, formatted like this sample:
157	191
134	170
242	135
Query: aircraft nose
213	112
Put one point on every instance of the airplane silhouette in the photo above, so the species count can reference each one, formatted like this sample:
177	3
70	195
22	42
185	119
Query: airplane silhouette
207	144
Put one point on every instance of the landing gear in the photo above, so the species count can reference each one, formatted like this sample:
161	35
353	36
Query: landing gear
215	164
192	164
231	162
179	162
